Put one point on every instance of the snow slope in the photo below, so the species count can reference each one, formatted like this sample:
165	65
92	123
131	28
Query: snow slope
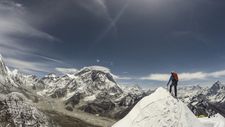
216	121
160	109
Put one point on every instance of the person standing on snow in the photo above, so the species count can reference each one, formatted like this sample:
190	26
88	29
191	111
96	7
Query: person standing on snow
174	79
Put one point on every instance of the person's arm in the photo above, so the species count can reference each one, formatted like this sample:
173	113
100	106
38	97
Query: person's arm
169	80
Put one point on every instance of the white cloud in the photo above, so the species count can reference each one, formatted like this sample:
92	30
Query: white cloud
193	76
121	77
118	77
66	70
49	58
156	77
217	74
186	76
101	68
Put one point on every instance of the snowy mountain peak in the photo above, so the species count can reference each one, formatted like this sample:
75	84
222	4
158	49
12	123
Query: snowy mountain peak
51	75
3	70
0	57
159	109
93	68
195	87
198	87
13	73
217	86
98	68
70	76
96	73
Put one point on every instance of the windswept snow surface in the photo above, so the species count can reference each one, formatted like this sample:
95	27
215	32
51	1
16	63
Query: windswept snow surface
160	109
216	121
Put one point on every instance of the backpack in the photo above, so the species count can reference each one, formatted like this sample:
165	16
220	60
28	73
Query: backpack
175	76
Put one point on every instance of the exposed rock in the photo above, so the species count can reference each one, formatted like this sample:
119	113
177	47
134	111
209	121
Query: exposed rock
16	111
69	108
101	107
74	100
59	93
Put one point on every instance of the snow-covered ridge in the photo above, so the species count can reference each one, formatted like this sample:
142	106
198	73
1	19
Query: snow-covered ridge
160	109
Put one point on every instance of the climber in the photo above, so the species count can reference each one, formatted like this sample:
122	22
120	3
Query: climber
174	79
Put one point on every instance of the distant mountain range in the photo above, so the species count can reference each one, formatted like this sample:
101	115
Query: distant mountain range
91	94
92	90
205	101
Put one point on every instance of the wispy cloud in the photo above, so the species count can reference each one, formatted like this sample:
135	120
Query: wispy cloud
14	46
66	70
27	66
49	58
217	74
156	77
12	22
193	76
121	77
186	76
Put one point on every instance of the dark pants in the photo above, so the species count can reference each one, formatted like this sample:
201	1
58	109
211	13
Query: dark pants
174	84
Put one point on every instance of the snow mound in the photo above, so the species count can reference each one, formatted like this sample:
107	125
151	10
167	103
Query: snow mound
215	121
159	109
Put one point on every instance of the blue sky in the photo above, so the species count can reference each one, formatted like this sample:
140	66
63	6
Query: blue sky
141	41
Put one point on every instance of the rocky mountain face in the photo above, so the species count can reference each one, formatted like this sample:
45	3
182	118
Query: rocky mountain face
3	69
16	101
16	111
205	101
93	90
217	92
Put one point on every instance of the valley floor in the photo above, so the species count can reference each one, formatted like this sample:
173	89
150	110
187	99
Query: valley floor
55	110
